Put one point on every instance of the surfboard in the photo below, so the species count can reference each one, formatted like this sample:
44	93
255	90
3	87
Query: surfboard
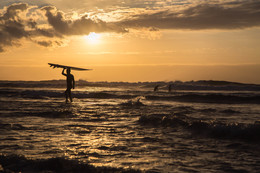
65	66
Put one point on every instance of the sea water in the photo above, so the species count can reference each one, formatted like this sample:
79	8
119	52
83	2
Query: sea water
128	126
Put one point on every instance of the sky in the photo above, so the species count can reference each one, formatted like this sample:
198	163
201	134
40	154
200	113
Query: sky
131	40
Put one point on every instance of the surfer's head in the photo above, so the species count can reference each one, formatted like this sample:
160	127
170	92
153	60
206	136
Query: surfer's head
68	70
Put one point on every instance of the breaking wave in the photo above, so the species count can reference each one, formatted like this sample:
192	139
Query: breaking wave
239	131
17	163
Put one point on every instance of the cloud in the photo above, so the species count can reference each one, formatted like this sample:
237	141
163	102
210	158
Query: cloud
45	26
81	26
231	15
49	27
14	25
11	27
45	43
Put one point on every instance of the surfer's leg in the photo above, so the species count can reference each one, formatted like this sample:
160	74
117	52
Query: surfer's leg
66	94
69	93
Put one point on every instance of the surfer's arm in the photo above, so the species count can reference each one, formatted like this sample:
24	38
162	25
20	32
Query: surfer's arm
63	72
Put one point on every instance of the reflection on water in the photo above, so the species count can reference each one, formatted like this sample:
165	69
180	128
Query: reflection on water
159	135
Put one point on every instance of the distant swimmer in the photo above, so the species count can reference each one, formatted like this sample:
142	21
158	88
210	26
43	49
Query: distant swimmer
156	88
170	88
70	84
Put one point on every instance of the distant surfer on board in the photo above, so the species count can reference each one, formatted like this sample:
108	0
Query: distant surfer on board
70	84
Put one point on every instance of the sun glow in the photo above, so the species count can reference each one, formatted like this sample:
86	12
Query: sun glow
93	38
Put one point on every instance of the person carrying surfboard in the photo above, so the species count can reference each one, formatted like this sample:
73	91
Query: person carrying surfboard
70	83
70	77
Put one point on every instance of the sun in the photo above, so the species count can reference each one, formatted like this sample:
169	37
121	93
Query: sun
93	38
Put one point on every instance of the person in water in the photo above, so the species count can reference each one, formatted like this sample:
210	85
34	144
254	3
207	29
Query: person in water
70	84
156	88
170	88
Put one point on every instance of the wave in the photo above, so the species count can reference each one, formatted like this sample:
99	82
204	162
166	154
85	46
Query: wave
135	102
230	111
4	126
42	94
245	132
18	163
53	114
226	98
209	98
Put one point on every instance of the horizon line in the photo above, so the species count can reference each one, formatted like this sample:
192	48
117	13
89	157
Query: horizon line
130	81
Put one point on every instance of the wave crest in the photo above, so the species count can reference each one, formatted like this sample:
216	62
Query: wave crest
246	132
18	163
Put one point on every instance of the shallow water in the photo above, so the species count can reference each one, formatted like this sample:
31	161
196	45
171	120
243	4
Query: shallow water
162	132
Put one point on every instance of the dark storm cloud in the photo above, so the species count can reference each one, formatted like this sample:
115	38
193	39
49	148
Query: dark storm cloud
235	15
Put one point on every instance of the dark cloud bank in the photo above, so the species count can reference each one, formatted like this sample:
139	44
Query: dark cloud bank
14	26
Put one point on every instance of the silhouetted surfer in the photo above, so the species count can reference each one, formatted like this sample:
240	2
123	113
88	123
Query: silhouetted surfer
156	88
70	84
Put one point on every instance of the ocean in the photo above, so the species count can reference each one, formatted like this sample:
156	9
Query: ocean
202	126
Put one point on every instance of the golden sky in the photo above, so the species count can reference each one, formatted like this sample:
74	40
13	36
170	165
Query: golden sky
131	40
